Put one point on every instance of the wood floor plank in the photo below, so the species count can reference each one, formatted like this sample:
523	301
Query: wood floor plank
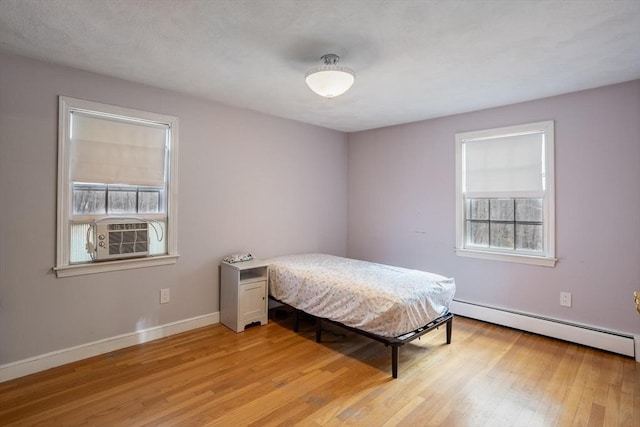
271	376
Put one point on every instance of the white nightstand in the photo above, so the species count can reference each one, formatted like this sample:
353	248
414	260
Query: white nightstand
244	294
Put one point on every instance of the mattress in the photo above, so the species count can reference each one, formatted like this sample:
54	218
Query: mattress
377	298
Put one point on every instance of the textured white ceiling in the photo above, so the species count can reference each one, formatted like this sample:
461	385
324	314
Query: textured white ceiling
413	59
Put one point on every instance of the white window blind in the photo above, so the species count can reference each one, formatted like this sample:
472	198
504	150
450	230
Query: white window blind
513	164
112	151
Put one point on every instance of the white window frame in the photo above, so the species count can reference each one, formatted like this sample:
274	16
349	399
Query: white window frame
548	258
63	267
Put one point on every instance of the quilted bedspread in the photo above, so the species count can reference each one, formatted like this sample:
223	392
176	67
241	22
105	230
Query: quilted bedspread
377	298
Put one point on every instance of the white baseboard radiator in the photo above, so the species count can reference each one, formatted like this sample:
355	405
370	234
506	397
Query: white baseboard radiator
612	341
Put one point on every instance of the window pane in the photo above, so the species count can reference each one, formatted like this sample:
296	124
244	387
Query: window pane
478	233
89	199
502	210
529	210
149	201
478	209
502	235
529	237
122	200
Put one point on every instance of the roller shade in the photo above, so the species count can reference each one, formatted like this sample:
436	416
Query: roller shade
111	151
506	164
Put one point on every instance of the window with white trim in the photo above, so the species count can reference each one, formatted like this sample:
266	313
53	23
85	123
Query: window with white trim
115	164
505	194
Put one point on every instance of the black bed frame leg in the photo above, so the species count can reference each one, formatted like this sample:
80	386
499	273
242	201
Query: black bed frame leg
449	330
394	361
318	329
296	320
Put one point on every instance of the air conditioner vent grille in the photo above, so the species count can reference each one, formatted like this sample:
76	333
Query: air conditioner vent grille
119	239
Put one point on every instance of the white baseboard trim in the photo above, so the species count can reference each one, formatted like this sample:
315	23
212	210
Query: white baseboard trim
612	341
42	362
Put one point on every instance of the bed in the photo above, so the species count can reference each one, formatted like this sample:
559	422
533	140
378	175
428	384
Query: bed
389	304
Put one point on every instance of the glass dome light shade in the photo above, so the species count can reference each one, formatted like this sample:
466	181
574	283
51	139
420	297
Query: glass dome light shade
330	81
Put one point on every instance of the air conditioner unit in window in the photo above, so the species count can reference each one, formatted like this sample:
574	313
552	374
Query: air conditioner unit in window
115	239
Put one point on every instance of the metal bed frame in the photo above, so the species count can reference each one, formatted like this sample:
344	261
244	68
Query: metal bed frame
394	342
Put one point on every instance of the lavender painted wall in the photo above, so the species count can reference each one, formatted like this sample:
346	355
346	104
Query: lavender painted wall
272	186
402	206
247	181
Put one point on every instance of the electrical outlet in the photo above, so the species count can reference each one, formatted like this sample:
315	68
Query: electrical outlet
565	299
164	296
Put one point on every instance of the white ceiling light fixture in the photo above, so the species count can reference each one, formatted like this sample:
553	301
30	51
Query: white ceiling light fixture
330	80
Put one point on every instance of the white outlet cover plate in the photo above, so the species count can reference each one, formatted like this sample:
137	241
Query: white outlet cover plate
164	296
565	299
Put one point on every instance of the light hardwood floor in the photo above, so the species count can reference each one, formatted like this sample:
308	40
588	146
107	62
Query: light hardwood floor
269	375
